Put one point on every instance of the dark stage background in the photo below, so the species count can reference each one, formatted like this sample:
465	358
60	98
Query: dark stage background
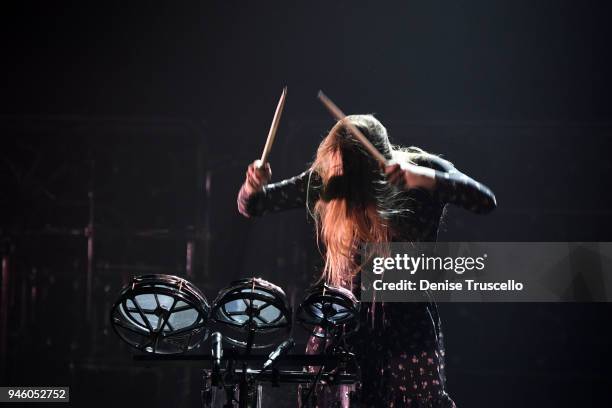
139	121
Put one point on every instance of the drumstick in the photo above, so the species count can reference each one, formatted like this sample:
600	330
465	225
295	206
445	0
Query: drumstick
340	116
273	127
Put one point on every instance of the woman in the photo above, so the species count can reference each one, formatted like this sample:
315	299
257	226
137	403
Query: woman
354	201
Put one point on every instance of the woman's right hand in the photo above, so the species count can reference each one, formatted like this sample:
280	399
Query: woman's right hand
257	176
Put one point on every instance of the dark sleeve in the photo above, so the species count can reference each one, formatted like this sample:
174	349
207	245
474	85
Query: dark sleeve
283	195
452	186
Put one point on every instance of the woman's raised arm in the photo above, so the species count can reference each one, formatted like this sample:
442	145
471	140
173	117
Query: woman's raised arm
444	181
257	198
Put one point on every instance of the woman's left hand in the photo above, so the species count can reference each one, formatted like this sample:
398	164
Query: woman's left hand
409	176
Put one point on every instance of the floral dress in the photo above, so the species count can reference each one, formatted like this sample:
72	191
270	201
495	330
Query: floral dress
399	346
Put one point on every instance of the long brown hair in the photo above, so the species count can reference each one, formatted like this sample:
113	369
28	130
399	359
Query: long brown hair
356	203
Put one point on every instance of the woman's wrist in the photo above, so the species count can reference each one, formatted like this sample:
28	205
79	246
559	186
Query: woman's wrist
420	177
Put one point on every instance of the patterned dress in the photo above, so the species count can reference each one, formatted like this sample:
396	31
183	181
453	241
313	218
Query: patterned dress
399	346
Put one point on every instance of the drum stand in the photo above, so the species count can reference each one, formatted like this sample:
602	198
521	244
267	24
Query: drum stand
243	386
249	391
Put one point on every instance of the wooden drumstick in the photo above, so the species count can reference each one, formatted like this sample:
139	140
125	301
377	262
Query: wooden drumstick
340	116
273	128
